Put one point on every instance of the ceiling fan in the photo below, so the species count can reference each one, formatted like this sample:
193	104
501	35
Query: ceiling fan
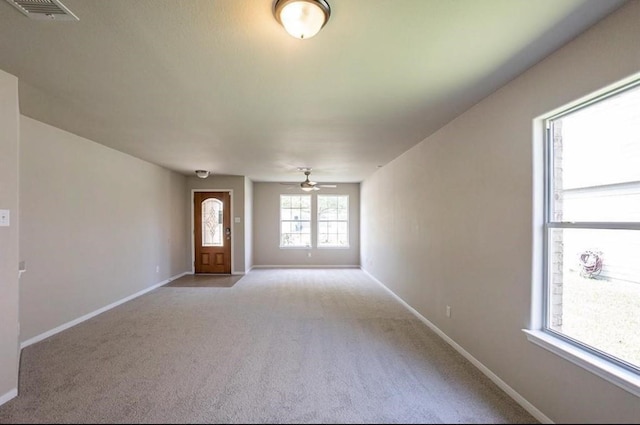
308	185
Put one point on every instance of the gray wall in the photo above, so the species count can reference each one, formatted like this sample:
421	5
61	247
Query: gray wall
96	223
223	182
9	142
449	222
266	229
248	218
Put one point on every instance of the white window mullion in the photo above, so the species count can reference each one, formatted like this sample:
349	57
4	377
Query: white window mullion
595	225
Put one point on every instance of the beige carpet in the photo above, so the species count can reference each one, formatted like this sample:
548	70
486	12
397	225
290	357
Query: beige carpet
281	346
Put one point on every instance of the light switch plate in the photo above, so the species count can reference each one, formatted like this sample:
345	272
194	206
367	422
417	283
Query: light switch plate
4	218
237	219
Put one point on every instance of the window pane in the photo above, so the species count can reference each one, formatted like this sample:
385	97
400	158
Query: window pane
343	208
325	210
305	202
602	204
212	211
285	227
289	239
322	202
326	214
343	228
333	224
305	227
294	214
295	225
333	234
285	214
594	289
596	161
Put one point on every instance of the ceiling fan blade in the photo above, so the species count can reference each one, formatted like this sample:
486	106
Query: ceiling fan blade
308	185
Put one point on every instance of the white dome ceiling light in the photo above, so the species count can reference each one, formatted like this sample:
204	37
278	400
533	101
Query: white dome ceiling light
302	18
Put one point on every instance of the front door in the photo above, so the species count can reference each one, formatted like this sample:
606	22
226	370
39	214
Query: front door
212	227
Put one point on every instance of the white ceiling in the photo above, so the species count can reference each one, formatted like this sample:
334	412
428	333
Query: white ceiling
219	85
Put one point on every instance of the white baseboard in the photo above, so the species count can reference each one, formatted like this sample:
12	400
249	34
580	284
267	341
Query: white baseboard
8	396
304	266
235	273
535	412
88	316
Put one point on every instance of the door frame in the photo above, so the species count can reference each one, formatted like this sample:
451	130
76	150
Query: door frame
193	226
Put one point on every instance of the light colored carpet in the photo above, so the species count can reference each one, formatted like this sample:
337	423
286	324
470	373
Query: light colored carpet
281	346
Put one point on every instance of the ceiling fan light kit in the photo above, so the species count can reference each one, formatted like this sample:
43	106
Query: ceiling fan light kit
302	18
308	185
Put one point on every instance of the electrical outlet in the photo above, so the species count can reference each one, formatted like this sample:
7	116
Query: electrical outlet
309	254
157	269
448	311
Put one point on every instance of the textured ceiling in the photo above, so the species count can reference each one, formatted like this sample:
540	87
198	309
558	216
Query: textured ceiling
219	85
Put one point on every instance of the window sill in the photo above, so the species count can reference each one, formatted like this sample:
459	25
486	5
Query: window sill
623	378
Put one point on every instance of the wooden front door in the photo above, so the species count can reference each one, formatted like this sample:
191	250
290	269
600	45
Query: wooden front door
212	227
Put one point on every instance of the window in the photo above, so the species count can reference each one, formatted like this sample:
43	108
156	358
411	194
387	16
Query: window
333	221
591	295
212	212
295	221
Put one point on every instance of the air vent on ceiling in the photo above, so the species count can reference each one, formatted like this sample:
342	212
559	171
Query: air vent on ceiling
44	10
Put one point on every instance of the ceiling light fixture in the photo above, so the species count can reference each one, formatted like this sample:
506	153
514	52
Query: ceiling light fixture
302	18
308	185
203	174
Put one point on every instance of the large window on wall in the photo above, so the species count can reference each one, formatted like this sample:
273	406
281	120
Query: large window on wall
295	221
333	221
592	228
308	220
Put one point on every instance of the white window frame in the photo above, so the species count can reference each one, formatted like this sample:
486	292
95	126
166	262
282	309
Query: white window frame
539	332
347	246
289	221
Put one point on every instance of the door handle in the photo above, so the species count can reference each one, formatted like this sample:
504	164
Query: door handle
227	232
